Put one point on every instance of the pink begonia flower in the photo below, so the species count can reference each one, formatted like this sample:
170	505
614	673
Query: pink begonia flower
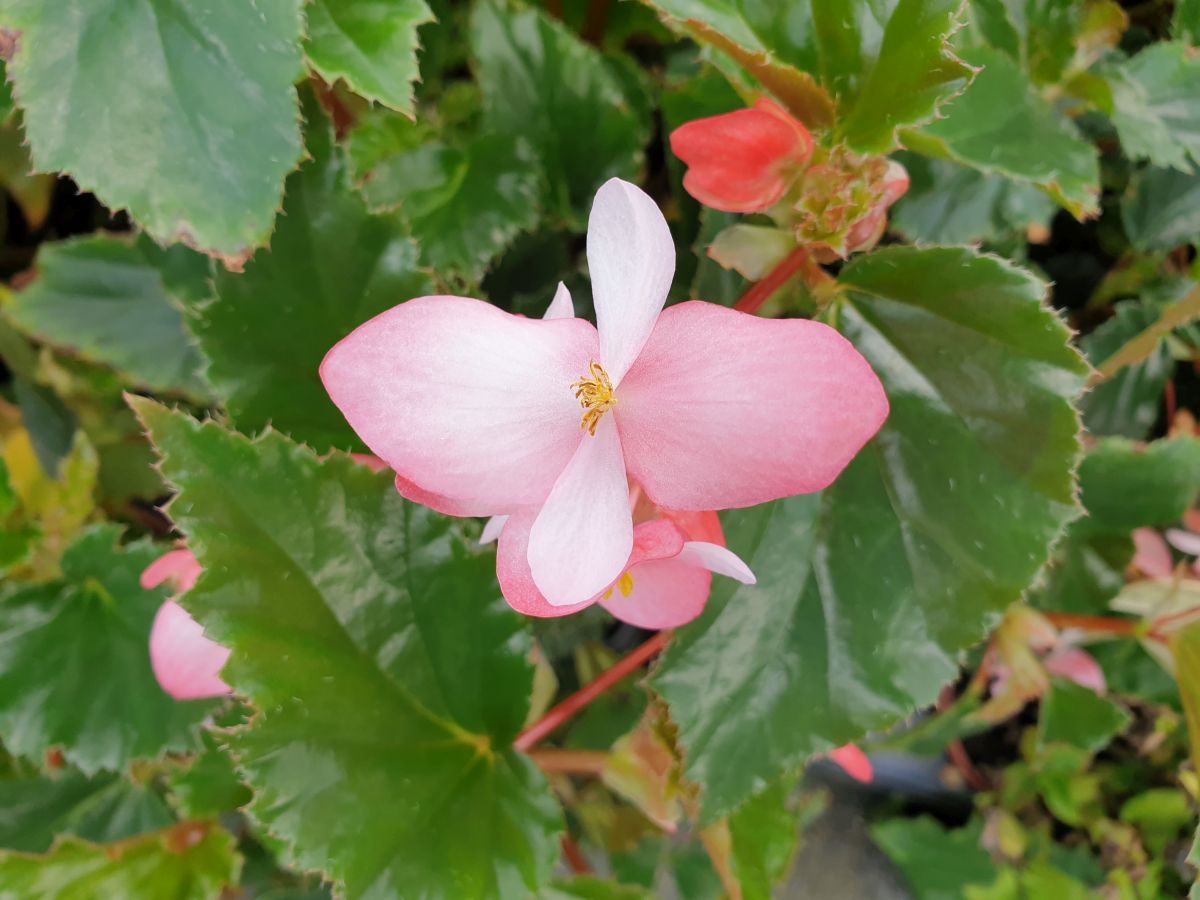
185	662
1151	555
854	763
742	161
479	411
866	233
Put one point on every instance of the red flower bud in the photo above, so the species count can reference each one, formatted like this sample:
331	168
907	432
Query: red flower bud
742	161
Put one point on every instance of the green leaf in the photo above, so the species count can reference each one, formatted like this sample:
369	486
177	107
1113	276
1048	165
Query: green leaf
197	146
105	300
466	204
75	665
1161	210
1078	716
209	785
1185	26
1156	106
589	887
913	72
764	837
372	44
1125	486
103	809
1185	651
937	526
389	675
190	862
937	864
32	193
542	83
950	203
268	329
1086	571
1126	404
1001	125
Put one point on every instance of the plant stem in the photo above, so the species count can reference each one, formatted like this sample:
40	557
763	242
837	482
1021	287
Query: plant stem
570	762
760	292
1142	345
574	856
1102	624
578	701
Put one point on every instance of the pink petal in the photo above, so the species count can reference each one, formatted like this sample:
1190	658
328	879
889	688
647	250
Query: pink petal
1184	541
447	506
666	593
561	306
702	525
463	400
854	763
716	558
583	535
180	566
1078	666
724	409
1151	554
631	258
185	662
512	570
491	530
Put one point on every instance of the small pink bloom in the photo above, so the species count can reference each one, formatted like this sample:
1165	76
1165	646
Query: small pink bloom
866	233
1078	666
742	161
1151	556
854	763
185	662
483	413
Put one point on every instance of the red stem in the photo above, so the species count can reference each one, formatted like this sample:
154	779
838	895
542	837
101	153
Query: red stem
1103	624
574	856
760	292
566	710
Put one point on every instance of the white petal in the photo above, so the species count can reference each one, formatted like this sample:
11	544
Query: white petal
631	258
1184	541
583	535
717	559
561	306
491	530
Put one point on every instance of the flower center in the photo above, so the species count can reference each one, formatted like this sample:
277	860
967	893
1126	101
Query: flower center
595	395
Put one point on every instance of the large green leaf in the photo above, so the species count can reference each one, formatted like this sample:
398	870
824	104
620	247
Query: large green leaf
885	65
372	44
764	835
867	593
106	300
268	329
1001	125
1161	210
103	809
389	675
1124	486
467	204
542	83
1156	106
192	861
197	144
937	864
1079	716
75	662
950	203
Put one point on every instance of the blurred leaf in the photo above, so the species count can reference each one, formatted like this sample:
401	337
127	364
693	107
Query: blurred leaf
1085	572
589	887
104	299
268	329
103	809
372	44
75	664
192	861
1160	814
937	864
1076	715
1185	26
949	203
31	192
765	835
1156	106
466	204
389	675
936	527
542	83
1125	486
199	150
1161	210
1185	651
209	785
1000	125
1126	404
49	425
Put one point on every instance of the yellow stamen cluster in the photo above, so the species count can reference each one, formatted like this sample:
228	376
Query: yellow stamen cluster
595	395
624	585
